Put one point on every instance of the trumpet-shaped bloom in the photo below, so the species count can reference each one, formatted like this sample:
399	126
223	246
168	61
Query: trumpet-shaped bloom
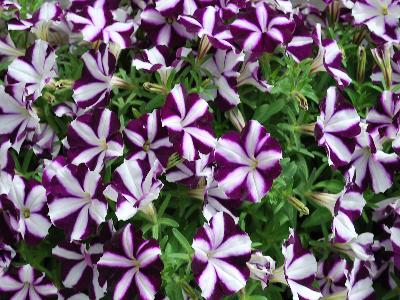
300	268
262	29
146	139
94	87
33	70
94	138
331	275
187	119
134	186
97	23
78	267
221	251
25	283
336	128
247	162
77	204
26	202
131	265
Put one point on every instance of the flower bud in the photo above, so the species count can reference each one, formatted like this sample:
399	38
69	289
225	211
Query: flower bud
361	62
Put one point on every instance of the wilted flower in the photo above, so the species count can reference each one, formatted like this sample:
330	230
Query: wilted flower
94	138
261	268
34	70
26	203
25	283
78	267
247	162
134	186
131	265
221	251
250	74
187	119
77	204
262	29
44	141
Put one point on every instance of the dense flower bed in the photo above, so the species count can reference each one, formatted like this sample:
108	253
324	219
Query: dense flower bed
188	149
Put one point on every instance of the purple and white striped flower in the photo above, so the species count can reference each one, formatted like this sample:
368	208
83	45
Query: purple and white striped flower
7	253
380	16
16	116
350	202
261	268
94	87
223	66
347	240
331	275
97	23
229	8
188	121
71	294
68	109
377	75
8	50
262	29
6	166
207	24
77	204
299	269
134	186
329	59
395	242
336	128
359	283
300	46
146	139
250	74
131	265
26	203
44	141
176	7
78	267
384	118
164	30
247	162
158	59
34	70
221	251
94	138
372	166
25	283
190	173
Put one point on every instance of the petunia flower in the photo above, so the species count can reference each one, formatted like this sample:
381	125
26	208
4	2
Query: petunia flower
359	283
261	29
68	109
159	59
78	267
16	116
261	268
97	80
345	238
229	8
223	66
25	283
133	187
221	251
164	30
96	22
8	50
384	117
7	253
26	202
380	16
187	119
250	74
33	70
6	166
76	204
372	166
336	128
300	46
71	294
146	139
299	269
207	24
329	59
331	275
131	265
44	141
94	138
247	162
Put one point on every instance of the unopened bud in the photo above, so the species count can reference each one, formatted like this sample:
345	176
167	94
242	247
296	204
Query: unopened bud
155	88
204	47
383	60
300	206
334	11
120	83
235	116
307	129
361	62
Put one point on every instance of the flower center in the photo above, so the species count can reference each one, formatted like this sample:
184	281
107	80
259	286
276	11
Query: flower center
136	263
169	20
254	163
87	196
103	144
146	146
385	10
26	212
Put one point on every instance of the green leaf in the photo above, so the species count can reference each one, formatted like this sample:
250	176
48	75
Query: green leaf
182	240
